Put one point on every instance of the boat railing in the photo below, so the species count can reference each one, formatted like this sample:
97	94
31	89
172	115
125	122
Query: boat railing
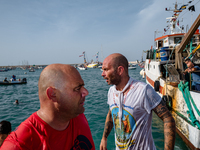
191	87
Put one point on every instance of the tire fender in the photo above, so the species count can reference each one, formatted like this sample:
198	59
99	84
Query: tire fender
168	101
156	86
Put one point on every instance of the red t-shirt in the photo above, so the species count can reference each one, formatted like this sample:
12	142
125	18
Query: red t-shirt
36	134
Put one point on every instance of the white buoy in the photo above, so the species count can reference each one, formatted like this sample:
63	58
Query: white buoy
142	73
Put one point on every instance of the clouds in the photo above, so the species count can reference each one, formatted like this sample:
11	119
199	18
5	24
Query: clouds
45	32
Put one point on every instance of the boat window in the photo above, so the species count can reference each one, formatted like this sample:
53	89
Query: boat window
196	39
154	66
160	44
177	40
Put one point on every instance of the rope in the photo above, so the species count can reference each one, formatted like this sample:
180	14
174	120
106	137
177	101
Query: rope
183	117
193	103
184	89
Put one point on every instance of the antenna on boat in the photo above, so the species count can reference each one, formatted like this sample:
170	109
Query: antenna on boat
102	52
174	20
155	35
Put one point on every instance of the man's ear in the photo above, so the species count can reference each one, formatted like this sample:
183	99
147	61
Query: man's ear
120	70
51	93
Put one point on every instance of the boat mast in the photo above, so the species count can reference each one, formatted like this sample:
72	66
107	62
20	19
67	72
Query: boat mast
173	21
97	56
84	57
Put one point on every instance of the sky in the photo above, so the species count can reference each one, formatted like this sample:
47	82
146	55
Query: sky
42	32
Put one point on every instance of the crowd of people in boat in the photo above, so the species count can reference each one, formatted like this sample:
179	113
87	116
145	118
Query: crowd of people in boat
12	79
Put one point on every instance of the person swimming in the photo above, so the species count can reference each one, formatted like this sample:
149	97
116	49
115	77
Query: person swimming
16	101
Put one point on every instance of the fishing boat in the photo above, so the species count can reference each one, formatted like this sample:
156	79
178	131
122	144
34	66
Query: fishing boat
164	67
141	64
92	65
32	70
82	67
11	82
132	67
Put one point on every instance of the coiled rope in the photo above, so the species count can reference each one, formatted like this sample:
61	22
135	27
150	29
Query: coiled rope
184	88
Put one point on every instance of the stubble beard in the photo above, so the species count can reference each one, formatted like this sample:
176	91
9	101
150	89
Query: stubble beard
115	79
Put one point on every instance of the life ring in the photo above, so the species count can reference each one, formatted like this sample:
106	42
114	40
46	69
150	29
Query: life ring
168	101
156	86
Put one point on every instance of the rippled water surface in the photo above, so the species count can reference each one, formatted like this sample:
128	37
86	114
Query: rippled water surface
96	107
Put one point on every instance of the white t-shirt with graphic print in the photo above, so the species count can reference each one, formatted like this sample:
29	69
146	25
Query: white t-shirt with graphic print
137	104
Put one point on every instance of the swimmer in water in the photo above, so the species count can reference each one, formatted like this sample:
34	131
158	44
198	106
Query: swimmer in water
16	102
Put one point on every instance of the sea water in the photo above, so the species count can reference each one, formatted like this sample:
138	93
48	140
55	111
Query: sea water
96	107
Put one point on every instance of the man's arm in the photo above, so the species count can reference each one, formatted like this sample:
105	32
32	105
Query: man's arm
193	69
189	70
169	125
107	129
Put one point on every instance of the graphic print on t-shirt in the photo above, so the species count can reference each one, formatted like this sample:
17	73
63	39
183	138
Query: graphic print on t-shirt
82	143
128	125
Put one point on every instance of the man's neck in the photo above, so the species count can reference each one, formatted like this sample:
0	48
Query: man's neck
53	121
123	83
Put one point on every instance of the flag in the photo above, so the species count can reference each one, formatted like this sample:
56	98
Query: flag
82	55
192	8
183	7
97	55
178	22
175	15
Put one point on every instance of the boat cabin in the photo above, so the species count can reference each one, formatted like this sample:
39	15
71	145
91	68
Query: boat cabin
162	59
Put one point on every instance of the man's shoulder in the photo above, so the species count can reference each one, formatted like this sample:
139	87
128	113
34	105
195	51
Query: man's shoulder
22	135
26	128
139	85
197	67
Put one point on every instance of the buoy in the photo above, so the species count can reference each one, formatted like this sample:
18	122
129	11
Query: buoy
156	86
142	73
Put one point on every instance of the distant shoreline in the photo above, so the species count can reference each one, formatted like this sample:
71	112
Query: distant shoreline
15	66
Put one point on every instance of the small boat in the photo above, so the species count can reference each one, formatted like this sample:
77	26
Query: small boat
32	70
141	64
132	67
10	82
92	65
100	66
82	68
3	70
